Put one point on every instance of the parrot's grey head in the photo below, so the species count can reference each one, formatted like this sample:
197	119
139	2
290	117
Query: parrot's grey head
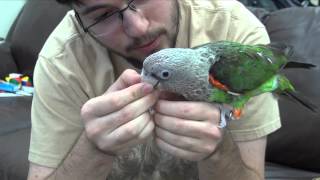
179	70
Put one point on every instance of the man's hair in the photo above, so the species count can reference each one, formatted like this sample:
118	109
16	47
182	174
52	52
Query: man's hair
67	2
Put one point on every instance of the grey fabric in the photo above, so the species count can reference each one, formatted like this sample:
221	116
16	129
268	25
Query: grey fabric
260	13
14	155
33	27
18	54
14	137
277	172
296	143
15	114
269	4
7	63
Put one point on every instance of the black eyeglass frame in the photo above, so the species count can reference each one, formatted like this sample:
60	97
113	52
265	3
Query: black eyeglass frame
86	29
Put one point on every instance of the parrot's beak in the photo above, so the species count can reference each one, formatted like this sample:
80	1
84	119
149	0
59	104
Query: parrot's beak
157	83
149	78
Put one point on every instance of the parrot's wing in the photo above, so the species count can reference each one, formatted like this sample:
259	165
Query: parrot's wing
242	68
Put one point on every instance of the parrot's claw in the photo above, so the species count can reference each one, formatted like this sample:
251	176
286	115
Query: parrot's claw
236	113
226	115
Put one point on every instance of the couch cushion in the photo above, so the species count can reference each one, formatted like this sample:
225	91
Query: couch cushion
15	123
14	163
36	21
7	64
278	172
15	114
296	143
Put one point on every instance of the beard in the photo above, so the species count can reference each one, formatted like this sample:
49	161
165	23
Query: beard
170	33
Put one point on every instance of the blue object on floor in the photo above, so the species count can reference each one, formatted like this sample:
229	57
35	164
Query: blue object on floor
4	86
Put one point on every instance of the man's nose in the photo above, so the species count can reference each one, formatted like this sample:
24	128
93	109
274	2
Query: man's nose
134	23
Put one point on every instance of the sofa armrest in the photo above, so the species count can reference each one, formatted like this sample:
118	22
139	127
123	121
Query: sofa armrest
7	63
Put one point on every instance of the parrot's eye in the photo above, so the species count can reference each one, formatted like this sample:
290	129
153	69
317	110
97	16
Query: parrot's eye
165	74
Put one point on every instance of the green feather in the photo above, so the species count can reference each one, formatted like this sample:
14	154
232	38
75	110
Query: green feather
245	67
275	83
220	96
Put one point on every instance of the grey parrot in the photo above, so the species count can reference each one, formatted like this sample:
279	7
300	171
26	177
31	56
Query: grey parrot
223	72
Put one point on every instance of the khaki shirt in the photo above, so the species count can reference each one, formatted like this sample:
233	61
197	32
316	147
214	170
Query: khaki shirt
73	68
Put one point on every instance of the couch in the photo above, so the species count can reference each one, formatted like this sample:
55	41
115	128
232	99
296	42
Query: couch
18	53
292	152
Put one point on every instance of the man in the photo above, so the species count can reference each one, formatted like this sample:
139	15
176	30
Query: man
87	125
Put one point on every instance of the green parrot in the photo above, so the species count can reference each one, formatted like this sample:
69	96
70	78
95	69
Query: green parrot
223	72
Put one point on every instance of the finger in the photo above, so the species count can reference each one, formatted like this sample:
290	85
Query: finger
131	130
143	137
196	145
126	79
145	133
189	128
103	105
116	119
177	152
108	140
188	110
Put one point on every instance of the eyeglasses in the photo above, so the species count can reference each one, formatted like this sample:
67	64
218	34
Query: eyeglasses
102	25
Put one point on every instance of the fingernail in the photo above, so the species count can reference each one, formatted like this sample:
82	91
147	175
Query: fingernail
147	88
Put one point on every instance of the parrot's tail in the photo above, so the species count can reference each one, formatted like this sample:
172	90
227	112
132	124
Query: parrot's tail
297	97
285	87
295	64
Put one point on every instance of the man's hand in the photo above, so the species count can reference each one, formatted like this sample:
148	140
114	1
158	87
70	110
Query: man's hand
187	130
119	119
114	122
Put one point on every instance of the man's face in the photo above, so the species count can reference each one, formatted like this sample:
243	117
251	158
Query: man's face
149	28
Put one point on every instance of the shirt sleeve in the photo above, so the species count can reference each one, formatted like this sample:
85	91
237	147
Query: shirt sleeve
56	122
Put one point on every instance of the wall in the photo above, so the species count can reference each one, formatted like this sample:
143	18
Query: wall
9	9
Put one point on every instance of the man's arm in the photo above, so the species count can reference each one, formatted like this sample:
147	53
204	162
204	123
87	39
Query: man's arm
114	123
241	160
189	130
85	161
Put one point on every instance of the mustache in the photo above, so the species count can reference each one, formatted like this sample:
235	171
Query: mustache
139	41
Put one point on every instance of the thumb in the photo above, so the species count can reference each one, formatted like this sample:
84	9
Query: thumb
128	78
